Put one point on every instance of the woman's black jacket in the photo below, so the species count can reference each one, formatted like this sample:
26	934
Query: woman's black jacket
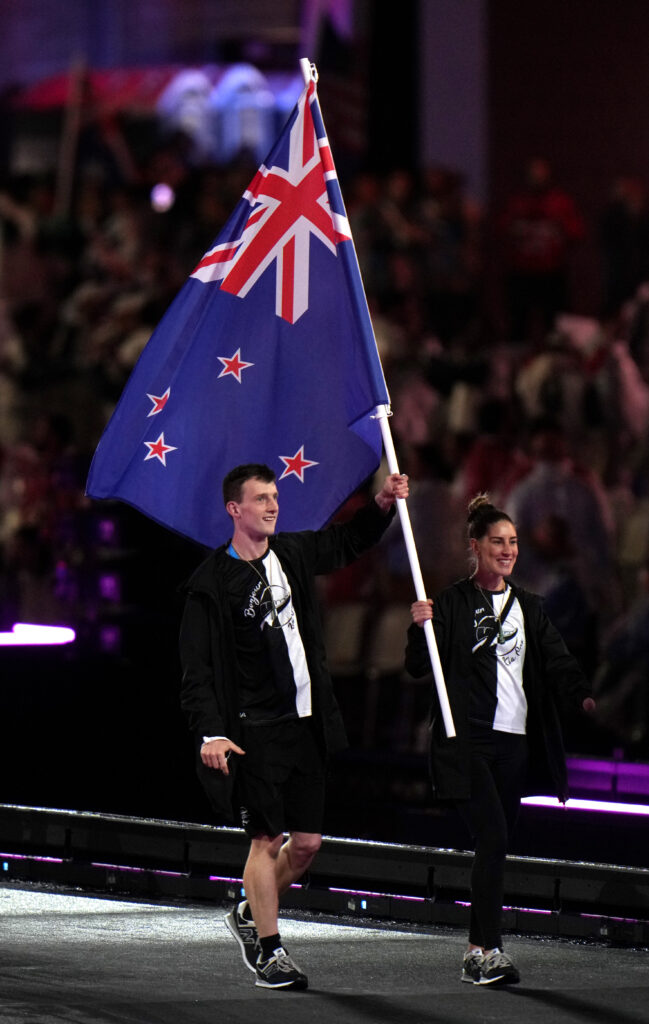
552	679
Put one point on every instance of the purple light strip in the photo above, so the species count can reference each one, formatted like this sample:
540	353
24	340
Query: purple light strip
20	856
148	871
598	806
29	634
379	895
350	892
94	864
239	881
529	910
603	767
608	917
609	777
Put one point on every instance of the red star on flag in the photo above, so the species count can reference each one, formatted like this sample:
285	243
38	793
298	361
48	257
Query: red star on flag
159	402
296	464
233	365
158	449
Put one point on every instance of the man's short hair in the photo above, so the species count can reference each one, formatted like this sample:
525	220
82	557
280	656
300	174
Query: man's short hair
236	478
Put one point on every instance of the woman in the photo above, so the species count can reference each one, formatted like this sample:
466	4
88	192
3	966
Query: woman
505	665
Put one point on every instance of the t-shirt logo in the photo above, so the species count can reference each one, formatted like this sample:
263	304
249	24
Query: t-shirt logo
271	605
487	629
276	607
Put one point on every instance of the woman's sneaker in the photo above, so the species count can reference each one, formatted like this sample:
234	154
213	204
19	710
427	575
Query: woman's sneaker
243	929
472	966
497	969
279	971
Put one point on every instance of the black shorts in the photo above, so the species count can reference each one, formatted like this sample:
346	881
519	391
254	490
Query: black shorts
280	784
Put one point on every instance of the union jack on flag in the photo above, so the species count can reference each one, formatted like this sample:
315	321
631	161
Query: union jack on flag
267	354
287	207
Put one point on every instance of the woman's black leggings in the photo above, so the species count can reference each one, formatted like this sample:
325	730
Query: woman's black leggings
498	766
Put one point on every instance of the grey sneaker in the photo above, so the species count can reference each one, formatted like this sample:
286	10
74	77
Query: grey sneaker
280	971
497	969
243	930
472	967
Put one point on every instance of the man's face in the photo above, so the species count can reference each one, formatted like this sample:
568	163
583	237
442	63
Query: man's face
256	513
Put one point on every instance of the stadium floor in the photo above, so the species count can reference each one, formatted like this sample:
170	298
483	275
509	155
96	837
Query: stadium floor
70	957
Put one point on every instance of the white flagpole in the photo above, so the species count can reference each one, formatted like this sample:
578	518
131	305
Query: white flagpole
382	412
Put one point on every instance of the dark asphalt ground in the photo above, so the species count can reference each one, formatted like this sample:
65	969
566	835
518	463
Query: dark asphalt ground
85	960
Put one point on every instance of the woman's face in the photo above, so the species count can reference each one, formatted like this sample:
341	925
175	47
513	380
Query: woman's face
497	551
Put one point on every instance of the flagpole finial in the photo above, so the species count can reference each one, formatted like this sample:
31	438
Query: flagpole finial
309	70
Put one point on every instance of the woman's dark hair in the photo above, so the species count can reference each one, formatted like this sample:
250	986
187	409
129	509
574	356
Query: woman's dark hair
482	515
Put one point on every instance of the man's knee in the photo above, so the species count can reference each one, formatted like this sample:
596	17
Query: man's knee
266	846
303	846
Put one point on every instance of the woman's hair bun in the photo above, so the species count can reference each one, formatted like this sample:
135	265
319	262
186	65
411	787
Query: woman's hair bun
478	505
482	514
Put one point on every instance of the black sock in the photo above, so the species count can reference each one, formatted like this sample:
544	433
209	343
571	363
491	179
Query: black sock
269	944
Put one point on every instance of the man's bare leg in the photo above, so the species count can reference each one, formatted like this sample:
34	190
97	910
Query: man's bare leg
273	866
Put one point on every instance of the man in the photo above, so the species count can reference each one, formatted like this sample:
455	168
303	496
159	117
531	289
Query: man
258	695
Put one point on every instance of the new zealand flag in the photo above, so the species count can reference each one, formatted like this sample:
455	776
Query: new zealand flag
267	354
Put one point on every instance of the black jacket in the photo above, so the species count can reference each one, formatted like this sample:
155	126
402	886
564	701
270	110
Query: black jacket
209	694
551	678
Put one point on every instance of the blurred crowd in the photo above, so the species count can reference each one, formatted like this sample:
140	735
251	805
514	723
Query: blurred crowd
496	384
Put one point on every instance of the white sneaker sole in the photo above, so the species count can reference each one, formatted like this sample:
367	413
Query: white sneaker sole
282	984
502	979
468	979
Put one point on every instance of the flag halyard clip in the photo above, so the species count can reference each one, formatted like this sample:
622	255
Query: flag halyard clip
381	412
